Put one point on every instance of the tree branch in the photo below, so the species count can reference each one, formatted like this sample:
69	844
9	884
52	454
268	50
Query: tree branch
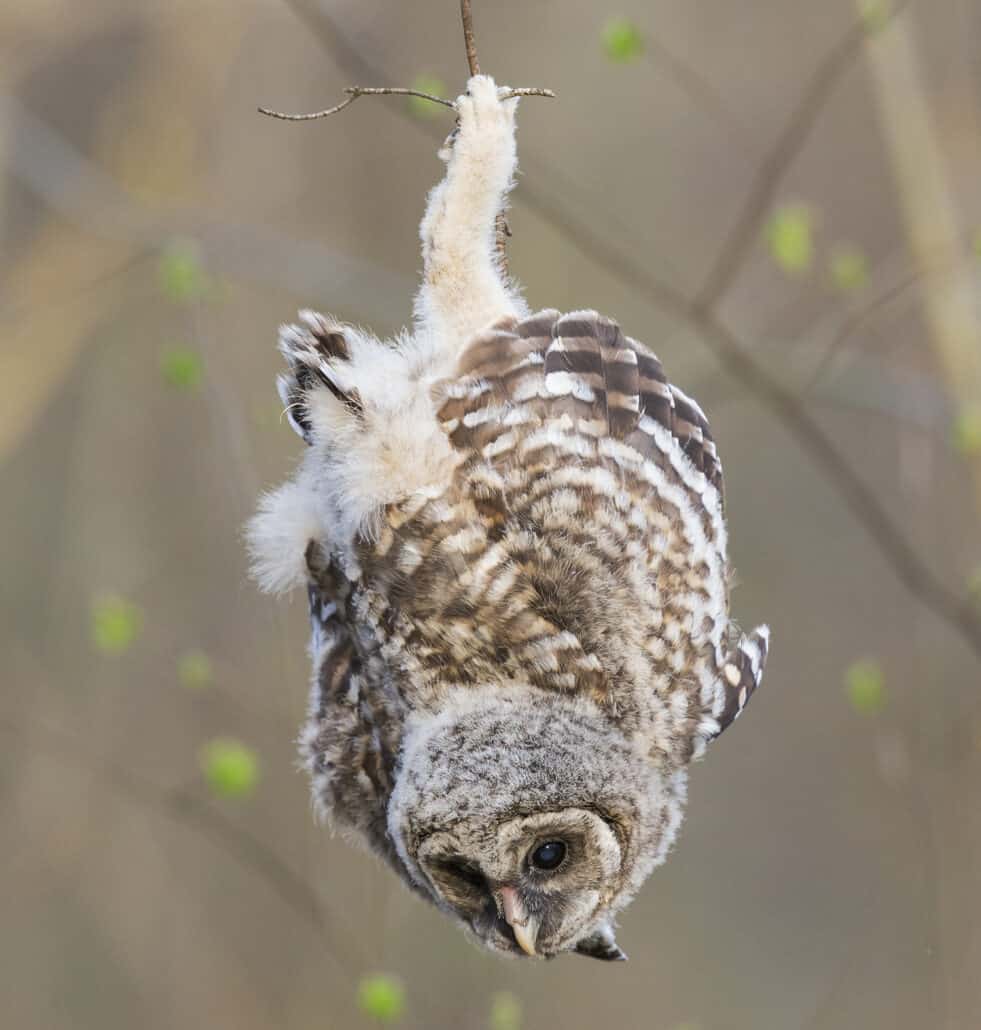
353	92
853	322
503	230
466	16
788	145
957	611
698	89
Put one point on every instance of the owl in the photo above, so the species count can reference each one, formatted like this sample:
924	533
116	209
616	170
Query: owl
510	528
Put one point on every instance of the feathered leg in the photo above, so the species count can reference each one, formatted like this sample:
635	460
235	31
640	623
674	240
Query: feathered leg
464	288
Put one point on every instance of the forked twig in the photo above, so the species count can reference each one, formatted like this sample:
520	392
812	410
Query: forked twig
353	92
788	145
502	229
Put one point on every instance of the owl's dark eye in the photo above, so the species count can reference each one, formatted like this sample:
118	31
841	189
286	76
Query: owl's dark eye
549	855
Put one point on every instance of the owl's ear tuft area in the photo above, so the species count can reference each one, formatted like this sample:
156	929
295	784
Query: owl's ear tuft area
278	536
602	945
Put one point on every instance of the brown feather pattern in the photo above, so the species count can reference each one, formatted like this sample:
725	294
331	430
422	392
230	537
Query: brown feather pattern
580	548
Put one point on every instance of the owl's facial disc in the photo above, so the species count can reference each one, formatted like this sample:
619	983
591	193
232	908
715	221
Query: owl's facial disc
530	818
533	885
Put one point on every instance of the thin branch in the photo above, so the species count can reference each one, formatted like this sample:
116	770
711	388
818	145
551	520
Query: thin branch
853	323
690	81
912	570
380	91
501	227
353	92
466	16
528	91
862	315
283	116
788	145
183	806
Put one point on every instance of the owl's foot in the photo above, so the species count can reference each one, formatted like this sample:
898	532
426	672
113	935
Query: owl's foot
484	133
464	287
483	109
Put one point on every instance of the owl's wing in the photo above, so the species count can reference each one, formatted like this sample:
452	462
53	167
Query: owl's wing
352	735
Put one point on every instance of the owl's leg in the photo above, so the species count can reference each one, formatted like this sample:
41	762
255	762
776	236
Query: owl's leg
464	287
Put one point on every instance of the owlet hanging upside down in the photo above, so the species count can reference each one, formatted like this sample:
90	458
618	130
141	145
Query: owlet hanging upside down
510	526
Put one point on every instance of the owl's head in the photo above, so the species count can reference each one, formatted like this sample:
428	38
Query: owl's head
531	819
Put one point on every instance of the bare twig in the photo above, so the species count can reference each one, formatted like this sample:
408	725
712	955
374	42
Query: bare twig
957	611
283	116
853	323
528	91
502	229
788	146
354	92
466	16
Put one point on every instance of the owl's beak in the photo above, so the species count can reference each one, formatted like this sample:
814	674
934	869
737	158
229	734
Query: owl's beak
525	926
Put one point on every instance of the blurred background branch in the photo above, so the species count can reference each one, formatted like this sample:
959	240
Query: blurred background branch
185	805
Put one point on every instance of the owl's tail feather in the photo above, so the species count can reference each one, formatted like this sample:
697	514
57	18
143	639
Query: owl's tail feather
581	365
315	352
742	674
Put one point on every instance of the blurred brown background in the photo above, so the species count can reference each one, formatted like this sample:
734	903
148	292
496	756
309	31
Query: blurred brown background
155	231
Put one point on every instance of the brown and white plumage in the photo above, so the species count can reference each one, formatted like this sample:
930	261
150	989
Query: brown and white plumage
512	533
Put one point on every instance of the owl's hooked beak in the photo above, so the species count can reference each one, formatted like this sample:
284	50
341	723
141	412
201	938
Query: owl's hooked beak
525	926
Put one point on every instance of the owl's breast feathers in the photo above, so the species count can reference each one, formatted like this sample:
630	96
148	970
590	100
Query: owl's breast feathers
580	546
